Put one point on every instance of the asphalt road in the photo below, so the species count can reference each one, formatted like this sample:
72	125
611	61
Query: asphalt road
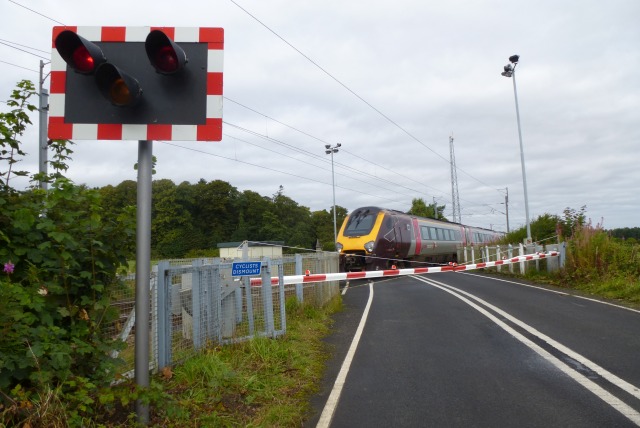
466	350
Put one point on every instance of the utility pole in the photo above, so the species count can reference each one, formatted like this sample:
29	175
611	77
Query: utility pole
506	205
43	141
455	196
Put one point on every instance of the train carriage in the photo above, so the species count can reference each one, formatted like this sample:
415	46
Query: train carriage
374	238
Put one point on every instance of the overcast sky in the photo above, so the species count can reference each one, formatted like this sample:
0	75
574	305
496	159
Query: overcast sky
391	82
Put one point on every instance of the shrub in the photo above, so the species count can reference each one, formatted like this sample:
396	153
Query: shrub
59	259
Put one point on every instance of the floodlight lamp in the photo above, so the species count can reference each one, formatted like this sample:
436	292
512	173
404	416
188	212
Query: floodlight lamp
514	58
328	152
327	146
338	145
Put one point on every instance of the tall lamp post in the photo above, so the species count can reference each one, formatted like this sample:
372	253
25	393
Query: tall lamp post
510	71
330	151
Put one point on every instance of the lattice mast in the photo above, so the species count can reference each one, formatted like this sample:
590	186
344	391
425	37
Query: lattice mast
455	196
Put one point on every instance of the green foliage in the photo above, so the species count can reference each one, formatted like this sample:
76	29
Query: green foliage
626	233
420	208
59	258
543	229
12	127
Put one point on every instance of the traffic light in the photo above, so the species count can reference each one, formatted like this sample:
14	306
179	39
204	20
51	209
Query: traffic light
81	55
165	56
136	83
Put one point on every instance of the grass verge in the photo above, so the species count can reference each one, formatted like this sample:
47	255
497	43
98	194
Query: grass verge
259	383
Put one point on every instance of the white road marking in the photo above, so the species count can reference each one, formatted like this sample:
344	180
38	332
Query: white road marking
600	392
577	296
332	401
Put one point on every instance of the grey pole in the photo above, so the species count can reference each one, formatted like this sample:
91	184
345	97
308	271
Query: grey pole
506	204
333	182
43	108
143	272
524	173
331	150
510	71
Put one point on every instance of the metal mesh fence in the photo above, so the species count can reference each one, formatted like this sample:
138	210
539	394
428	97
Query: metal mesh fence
197	303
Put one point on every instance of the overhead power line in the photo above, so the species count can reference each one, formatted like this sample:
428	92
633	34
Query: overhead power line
275	170
37	13
13	46
19	66
397	125
298	149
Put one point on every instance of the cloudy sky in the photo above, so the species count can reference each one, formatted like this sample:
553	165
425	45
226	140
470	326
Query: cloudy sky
391	82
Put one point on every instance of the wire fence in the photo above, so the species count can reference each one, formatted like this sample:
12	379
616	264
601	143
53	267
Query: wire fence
196	303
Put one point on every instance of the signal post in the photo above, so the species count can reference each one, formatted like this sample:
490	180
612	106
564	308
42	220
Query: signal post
137	83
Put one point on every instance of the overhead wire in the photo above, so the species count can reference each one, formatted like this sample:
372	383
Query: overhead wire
270	169
323	159
37	13
397	125
337	163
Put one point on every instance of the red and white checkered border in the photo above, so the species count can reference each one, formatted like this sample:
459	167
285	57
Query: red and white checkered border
210	131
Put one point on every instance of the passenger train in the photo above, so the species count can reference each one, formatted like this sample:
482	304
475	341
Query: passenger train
373	238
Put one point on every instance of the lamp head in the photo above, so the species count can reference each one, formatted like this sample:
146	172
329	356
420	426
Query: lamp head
514	58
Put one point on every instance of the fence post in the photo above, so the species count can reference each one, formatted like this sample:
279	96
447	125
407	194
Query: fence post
163	315
510	256
522	264
246	284
498	257
473	255
299	292
216	318
267	298
283	309
196	287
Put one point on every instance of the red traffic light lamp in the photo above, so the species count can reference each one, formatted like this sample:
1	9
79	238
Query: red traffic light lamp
79	53
165	55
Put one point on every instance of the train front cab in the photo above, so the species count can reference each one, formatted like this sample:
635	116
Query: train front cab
357	239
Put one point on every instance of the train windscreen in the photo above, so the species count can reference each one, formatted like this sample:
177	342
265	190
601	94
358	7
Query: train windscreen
360	222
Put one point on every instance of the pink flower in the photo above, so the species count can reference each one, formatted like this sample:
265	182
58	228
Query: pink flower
8	267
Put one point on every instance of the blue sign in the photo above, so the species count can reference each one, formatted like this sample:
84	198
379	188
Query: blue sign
245	268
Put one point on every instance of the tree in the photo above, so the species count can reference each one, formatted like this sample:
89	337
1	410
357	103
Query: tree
421	209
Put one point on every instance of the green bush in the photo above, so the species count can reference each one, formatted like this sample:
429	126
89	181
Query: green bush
59	258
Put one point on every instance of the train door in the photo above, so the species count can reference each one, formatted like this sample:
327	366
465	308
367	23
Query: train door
404	235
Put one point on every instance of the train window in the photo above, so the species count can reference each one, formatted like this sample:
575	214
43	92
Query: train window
457	237
440	237
432	233
424	231
360	223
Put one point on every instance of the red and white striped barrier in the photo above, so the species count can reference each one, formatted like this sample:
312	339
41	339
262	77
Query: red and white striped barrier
299	279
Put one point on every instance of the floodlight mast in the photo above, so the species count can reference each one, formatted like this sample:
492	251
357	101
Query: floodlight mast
331	150
510	71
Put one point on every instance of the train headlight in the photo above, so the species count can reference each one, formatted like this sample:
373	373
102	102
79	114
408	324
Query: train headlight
338	247
369	246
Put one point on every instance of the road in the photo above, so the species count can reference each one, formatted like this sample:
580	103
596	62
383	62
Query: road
468	350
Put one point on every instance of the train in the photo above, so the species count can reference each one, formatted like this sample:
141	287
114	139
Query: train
374	238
